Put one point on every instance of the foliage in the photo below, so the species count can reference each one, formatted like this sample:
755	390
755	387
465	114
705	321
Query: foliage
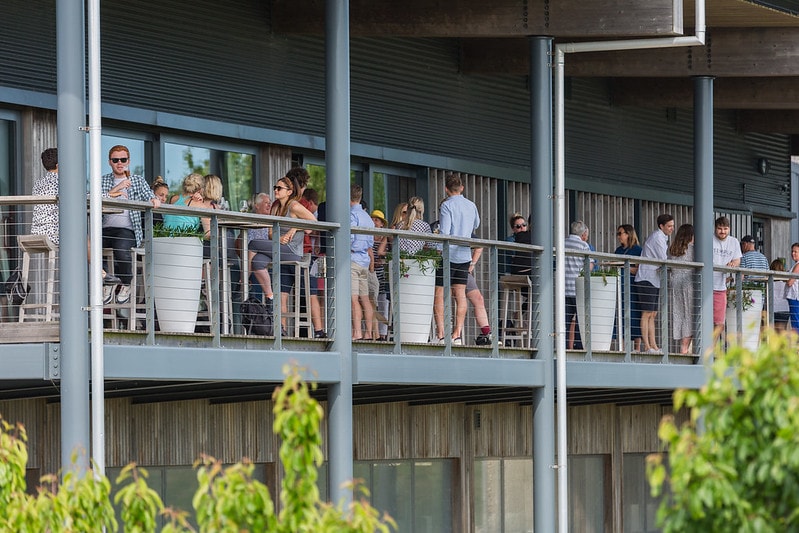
747	299
740	471
603	273
160	230
227	500
428	259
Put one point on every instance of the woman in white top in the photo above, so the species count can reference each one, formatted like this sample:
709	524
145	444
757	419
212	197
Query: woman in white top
792	289
780	304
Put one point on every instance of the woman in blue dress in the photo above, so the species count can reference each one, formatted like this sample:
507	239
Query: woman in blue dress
629	245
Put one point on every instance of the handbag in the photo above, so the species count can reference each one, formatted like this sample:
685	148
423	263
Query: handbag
15	289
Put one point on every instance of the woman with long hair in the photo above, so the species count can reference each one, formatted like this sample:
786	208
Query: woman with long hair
792	289
190	196
682	287
629	245
414	221
286	204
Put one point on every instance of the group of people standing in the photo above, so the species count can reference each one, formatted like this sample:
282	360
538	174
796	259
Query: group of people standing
458	217
645	279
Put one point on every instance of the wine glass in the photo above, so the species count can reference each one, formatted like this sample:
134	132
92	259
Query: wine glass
244	206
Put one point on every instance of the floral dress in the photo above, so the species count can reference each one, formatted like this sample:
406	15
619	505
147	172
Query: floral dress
682	298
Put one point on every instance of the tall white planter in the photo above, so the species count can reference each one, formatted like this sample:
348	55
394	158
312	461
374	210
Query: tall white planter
416	291
177	276
604	301
750	331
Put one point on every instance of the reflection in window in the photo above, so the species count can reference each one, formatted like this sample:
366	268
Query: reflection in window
640	508
236	169
503	494
587	493
7	188
418	495
176	486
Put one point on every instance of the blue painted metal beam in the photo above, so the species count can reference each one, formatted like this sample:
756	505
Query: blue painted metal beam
637	375
172	363
437	370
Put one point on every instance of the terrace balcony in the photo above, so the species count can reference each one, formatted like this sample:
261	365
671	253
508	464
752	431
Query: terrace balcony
136	346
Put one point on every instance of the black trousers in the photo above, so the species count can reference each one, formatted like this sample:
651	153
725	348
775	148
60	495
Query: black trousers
121	240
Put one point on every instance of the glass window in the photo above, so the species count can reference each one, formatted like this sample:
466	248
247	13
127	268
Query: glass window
518	488
8	216
503	495
236	169
418	495
432	495
639	507
587	493
176	486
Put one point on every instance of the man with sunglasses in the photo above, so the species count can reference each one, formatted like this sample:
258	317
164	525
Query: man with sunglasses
123	231
517	225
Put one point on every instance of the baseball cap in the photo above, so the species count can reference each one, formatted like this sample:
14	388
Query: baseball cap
748	238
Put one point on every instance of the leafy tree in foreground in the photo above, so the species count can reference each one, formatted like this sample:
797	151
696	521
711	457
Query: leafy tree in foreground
227	500
740	472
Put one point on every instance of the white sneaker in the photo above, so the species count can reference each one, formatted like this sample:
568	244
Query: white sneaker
108	294
123	296
458	341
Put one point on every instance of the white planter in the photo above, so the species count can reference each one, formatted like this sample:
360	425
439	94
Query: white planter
416	291
177	276
750	332
603	310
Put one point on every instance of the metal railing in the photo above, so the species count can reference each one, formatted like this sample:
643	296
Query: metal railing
504	298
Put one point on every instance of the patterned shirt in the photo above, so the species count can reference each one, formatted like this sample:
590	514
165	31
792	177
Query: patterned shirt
45	216
574	263
139	191
754	260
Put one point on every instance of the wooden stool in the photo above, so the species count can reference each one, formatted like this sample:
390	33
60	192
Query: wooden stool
514	286
39	244
302	282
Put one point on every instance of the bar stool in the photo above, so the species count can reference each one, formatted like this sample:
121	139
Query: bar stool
39	244
514	286
137	307
110	309
302	283
204	317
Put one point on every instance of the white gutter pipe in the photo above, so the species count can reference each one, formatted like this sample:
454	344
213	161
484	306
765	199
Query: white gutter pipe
560	222
96	242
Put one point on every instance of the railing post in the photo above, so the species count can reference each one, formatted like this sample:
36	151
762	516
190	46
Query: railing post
665	338
277	309
214	307
447	300
493	260
395	294
149	276
627	319
585	334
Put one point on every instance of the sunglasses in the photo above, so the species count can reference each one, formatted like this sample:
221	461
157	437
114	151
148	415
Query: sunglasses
621	233
520	226
119	159
279	188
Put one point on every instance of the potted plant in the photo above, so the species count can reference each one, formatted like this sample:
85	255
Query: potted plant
416	293
177	277
604	293
752	307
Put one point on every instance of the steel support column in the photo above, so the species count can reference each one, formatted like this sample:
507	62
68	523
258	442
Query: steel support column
70	56
703	201
337	161
544	488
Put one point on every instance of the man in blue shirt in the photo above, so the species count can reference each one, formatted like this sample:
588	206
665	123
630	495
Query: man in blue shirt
458	217
360	257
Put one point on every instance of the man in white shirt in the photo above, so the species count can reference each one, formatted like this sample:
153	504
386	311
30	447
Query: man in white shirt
647	280
577	240
726	252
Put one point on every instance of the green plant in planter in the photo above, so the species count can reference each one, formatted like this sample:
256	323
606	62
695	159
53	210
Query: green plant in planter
422	258
159	230
603	273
